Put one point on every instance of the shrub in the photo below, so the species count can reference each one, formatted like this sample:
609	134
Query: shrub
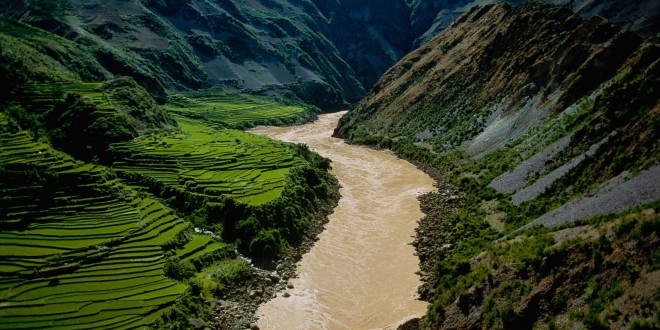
180	270
266	244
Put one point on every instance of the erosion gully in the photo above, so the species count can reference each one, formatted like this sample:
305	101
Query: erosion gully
360	274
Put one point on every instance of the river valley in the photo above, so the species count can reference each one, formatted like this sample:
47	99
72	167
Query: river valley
360	274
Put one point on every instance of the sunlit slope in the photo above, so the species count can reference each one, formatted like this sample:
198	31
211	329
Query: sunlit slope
236	110
78	250
210	163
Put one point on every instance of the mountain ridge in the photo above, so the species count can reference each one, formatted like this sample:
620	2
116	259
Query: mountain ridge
325	53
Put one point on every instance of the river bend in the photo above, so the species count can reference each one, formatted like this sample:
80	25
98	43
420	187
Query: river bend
360	274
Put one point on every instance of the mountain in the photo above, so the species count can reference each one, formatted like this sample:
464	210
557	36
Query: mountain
183	45
371	37
540	118
489	79
547	98
431	17
326	53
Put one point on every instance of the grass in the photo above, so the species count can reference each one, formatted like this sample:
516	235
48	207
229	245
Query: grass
78	249
210	163
236	110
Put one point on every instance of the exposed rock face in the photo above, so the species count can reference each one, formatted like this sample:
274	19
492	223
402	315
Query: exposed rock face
490	77
325	52
545	106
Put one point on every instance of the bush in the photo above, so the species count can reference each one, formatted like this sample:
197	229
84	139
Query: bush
180	270
267	244
231	271
77	127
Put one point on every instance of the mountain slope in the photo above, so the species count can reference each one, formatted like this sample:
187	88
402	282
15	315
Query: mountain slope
433	16
323	52
372	37
540	118
496	77
177	46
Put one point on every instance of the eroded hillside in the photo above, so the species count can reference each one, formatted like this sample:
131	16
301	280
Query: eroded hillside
540	118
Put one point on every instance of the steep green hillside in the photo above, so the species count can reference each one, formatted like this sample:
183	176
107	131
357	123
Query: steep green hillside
79	249
238	111
535	126
29	55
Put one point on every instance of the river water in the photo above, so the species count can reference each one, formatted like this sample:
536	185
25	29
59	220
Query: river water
360	274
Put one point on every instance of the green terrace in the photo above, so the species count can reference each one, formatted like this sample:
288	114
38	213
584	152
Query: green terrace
84	246
236	111
79	250
210	163
42	96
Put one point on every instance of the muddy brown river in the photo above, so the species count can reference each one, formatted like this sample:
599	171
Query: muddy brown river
360	274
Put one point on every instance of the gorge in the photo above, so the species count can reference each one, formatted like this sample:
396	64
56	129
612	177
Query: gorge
497	161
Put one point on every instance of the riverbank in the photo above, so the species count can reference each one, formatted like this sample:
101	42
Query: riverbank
434	233
236	308
434	237
361	274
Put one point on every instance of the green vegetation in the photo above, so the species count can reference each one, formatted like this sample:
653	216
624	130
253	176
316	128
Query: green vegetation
101	114
510	279
83	119
210	163
235	110
83	250
255	191
30	54
79	249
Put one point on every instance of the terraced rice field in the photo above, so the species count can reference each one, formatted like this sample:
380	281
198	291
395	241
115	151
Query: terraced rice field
81	250
78	250
235	111
209	162
44	95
